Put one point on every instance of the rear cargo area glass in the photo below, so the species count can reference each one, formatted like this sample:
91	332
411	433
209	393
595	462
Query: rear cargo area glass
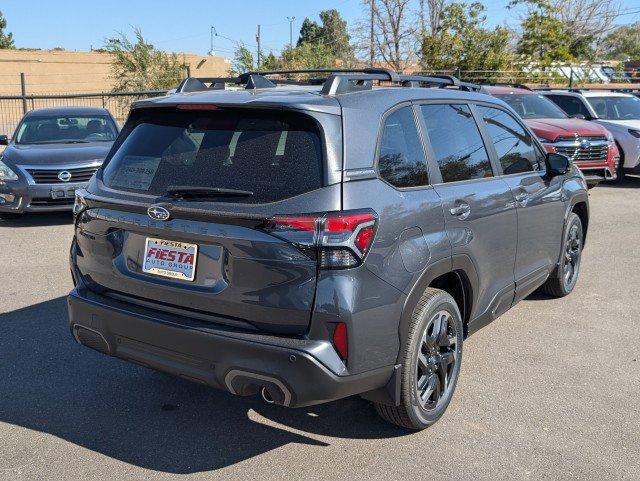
275	155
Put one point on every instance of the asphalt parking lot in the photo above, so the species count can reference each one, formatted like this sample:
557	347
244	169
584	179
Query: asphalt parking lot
550	390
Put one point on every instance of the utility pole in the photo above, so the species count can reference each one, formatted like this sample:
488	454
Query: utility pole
212	33
291	19
371	49
258	42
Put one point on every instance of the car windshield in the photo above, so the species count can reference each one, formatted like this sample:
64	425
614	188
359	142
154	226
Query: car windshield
533	106
616	108
61	129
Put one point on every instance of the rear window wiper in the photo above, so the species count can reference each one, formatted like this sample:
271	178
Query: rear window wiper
187	192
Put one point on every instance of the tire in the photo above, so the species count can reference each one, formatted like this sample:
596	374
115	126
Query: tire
427	384
565	276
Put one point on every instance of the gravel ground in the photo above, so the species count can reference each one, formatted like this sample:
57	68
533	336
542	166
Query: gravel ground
550	390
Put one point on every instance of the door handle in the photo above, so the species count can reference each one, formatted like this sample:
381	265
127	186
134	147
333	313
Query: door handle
461	211
521	197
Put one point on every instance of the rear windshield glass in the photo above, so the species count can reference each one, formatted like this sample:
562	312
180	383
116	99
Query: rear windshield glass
66	129
272	155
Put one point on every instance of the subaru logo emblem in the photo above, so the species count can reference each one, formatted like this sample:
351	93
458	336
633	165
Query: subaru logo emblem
158	213
64	176
585	144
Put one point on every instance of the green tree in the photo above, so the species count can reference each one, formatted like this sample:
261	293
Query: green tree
462	42
623	43
6	39
307	55
310	32
270	62
335	35
332	35
242	60
544	37
137	65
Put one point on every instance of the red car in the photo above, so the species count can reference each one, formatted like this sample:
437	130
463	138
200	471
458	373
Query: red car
589	145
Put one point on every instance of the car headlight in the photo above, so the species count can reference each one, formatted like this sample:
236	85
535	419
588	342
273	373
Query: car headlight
635	133
6	173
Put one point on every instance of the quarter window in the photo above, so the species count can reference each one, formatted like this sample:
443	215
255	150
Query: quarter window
514	146
401	160
456	142
571	105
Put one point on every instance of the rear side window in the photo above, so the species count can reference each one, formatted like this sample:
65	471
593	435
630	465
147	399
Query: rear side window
456	142
273	155
571	105
401	160
514	146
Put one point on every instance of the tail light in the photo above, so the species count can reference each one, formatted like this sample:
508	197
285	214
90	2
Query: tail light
339	239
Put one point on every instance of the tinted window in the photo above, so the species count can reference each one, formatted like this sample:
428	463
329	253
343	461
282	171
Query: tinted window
570	105
513	144
275	155
456	142
401	160
533	106
616	108
40	129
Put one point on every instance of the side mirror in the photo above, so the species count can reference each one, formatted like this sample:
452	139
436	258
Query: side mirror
578	116
4	140
557	164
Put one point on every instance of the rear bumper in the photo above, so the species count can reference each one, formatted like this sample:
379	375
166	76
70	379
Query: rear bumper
295	371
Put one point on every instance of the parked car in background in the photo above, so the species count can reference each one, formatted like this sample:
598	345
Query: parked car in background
618	112
313	242
52	153
589	145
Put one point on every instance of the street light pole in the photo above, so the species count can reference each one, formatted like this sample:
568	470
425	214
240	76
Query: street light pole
258	42
291	19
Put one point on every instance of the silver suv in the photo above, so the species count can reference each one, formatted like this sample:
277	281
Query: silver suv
320	238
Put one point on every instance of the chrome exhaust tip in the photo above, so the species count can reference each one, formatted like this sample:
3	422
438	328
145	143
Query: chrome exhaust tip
266	395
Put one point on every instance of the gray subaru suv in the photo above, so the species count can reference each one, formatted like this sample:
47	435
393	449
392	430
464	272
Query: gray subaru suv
312	239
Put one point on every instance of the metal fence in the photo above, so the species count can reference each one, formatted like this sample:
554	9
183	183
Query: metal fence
13	107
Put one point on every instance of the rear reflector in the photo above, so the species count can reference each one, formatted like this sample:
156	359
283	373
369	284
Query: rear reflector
339	239
340	340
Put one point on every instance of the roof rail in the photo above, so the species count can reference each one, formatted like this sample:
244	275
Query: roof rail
390	75
515	85
441	81
336	81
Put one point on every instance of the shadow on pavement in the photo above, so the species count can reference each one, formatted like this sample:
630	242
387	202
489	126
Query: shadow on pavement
130	413
37	219
629	182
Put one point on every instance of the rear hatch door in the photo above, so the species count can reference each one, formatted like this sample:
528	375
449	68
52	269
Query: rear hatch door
175	219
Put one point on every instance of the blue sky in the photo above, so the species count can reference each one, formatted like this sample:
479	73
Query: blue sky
76	25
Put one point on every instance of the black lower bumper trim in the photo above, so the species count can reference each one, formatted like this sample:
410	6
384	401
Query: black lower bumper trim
292	374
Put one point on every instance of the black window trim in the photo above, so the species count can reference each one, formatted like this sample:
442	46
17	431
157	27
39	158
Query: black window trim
418	126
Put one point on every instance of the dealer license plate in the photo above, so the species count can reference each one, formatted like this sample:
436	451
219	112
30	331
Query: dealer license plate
170	259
